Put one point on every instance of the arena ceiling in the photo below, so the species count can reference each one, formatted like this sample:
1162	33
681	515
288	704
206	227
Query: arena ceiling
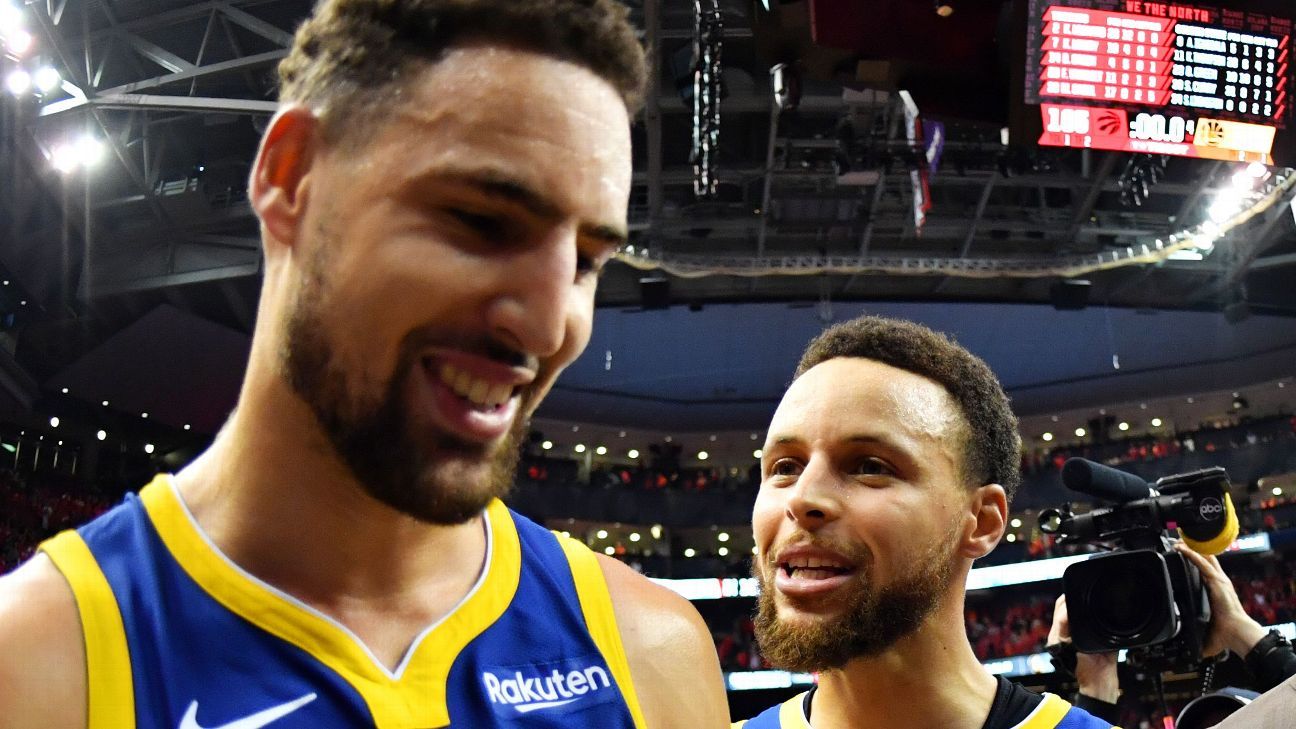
155	248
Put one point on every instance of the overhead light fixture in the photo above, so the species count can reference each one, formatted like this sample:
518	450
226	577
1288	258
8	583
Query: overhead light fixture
690	552
54	422
1080	432
101	435
580	448
11	17
943	9
1156	422
633	454
546	445
18	82
703	455
601	534
723	551
148	448
47	79
1124	426
1047	437
601	450
758	453
19	42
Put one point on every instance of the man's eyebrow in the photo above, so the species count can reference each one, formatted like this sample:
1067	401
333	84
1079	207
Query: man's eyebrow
502	187
855	438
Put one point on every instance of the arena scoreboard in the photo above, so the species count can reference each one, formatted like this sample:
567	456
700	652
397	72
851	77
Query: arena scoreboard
1188	80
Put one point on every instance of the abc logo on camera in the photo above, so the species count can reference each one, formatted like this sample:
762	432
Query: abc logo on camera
1210	508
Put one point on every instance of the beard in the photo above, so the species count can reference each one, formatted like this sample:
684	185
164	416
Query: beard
873	619
438	480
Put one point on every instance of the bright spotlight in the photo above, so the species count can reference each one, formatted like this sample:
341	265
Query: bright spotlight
609	550
1156	422
757	453
1080	432
723	536
11	17
47	79
723	551
601	534
1012	537
63	158
101	435
634	536
1016	523
148	447
54	422
186	426
19	42
1047	437
18	82
546	445
601	450
1123	426
690	552
633	454
1225	206
1257	170
580	448
89	150
656	531
703	455
1277	491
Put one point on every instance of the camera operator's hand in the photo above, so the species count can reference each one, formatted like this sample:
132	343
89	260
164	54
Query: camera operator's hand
1231	628
1095	672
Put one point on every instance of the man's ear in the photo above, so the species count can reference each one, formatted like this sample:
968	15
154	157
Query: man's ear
988	517
278	190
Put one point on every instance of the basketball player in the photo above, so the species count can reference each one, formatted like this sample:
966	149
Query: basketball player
888	469
437	195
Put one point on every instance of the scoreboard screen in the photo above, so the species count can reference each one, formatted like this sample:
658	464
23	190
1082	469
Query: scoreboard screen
1190	80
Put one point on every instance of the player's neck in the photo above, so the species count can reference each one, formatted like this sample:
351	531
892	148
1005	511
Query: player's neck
928	679
273	498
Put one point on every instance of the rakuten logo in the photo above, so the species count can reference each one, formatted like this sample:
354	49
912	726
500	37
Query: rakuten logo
521	690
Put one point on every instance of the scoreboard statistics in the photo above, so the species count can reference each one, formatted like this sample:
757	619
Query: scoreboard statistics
1189	80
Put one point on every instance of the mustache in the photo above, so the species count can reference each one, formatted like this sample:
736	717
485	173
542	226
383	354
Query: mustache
860	555
481	345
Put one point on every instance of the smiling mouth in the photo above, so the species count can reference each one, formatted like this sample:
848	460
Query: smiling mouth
813	569
480	394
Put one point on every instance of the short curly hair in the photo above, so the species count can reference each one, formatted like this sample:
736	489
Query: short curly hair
350	56
992	446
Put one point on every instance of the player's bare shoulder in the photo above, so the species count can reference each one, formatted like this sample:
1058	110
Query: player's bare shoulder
670	651
42	656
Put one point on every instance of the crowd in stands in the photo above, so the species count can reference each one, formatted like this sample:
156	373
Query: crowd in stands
33	508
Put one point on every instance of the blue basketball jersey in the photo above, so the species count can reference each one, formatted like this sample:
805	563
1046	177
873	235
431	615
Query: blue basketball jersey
177	636
1053	712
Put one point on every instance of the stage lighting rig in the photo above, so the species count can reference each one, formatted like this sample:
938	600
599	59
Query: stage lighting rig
707	45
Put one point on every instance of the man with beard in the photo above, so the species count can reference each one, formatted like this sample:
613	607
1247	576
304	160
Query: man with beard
888	469
437	195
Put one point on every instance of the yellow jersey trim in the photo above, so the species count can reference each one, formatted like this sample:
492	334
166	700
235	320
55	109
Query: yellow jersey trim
1047	714
792	713
111	689
600	620
414	695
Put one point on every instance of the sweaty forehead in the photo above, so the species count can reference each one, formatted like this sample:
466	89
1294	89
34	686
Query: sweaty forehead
848	396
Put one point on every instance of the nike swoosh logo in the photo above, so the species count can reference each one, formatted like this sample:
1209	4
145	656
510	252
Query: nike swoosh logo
527	708
255	721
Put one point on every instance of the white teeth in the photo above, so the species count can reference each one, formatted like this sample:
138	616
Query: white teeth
479	392
804	563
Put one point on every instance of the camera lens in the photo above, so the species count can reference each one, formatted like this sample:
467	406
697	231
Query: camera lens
1119	602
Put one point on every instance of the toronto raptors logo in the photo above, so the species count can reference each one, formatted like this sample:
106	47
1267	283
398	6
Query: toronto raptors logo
1109	121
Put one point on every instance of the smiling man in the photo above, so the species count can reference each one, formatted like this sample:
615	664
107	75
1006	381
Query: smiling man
437	195
888	469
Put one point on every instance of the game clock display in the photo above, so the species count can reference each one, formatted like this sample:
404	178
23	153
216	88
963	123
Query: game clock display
1160	78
